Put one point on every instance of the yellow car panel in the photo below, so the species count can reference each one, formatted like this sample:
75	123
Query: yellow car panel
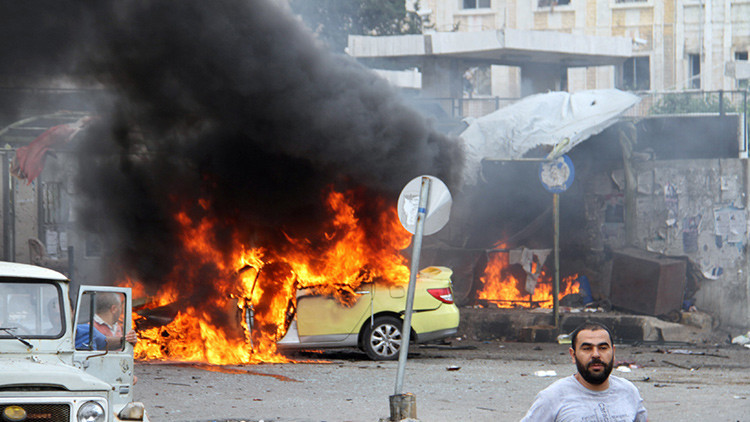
324	315
374	321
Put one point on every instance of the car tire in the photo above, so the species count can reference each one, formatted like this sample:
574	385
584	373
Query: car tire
382	340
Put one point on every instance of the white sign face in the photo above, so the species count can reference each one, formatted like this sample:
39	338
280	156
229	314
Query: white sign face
438	208
557	175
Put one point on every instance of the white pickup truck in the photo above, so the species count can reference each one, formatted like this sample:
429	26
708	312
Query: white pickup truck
49	370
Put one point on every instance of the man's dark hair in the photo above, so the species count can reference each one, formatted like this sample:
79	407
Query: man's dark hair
593	326
106	300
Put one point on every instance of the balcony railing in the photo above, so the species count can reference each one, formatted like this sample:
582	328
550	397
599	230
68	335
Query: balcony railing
695	102
651	104
459	108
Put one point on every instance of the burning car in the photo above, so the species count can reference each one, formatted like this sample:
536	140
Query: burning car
318	290
374	321
45	375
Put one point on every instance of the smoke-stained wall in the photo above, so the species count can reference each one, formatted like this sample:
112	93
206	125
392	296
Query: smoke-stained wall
694	208
26	216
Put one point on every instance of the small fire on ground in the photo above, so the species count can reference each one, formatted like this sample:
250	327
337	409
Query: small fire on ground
507	285
201	313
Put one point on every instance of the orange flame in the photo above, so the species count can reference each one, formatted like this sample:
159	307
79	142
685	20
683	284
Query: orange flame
504	285
258	284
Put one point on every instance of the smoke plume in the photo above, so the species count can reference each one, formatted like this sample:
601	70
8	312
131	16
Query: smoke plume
223	107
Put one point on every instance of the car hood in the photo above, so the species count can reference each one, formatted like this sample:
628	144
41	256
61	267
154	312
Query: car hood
21	372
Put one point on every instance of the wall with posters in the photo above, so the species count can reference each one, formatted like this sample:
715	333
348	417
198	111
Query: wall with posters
695	209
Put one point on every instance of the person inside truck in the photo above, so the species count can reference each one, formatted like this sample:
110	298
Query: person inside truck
54	316
108	312
21	316
82	339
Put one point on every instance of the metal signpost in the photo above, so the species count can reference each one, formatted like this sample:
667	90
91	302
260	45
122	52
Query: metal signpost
423	209
556	176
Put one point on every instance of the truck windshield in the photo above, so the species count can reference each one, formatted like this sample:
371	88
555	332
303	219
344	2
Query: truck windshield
30	310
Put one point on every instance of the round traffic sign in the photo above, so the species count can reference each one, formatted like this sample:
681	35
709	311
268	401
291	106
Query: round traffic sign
557	175
438	208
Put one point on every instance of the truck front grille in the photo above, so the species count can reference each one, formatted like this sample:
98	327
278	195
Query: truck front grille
42	412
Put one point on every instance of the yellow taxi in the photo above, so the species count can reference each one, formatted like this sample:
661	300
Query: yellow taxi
374	321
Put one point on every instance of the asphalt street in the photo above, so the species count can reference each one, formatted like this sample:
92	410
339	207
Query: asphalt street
463	380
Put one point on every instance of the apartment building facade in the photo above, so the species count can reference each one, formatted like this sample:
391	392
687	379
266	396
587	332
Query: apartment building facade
676	44
473	52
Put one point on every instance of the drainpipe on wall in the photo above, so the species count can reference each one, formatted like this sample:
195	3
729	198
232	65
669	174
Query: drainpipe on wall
627	138
9	227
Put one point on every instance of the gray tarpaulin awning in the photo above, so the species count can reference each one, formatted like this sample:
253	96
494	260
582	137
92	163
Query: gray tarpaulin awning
543	126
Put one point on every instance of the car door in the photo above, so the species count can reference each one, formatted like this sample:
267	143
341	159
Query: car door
327	319
111	361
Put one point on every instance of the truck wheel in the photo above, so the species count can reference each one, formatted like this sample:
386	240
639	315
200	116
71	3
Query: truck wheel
382	340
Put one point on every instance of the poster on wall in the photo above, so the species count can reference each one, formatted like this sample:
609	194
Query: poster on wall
690	229
51	243
730	224
672	202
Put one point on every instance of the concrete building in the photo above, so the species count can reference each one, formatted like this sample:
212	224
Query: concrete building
511	48
679	190
40	224
675	198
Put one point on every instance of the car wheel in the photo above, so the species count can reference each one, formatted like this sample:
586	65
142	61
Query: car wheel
382	340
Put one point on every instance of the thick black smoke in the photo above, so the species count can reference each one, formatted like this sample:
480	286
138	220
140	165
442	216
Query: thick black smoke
230	102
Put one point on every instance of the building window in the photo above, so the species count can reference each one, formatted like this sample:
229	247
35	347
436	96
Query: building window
477	81
551	3
694	71
477	4
636	74
741	56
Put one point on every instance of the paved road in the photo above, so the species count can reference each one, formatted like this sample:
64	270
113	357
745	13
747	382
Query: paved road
469	381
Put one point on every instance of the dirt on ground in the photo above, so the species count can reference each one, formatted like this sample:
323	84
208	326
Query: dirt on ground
457	380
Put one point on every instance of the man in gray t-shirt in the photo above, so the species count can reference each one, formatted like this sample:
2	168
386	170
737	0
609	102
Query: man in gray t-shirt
590	395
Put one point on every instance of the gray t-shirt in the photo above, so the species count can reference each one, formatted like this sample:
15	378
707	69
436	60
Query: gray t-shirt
566	400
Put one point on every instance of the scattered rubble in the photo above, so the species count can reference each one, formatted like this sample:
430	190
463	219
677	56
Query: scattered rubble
550	373
743	339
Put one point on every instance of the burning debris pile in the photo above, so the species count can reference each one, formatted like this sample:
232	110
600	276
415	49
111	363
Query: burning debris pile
519	279
236	161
